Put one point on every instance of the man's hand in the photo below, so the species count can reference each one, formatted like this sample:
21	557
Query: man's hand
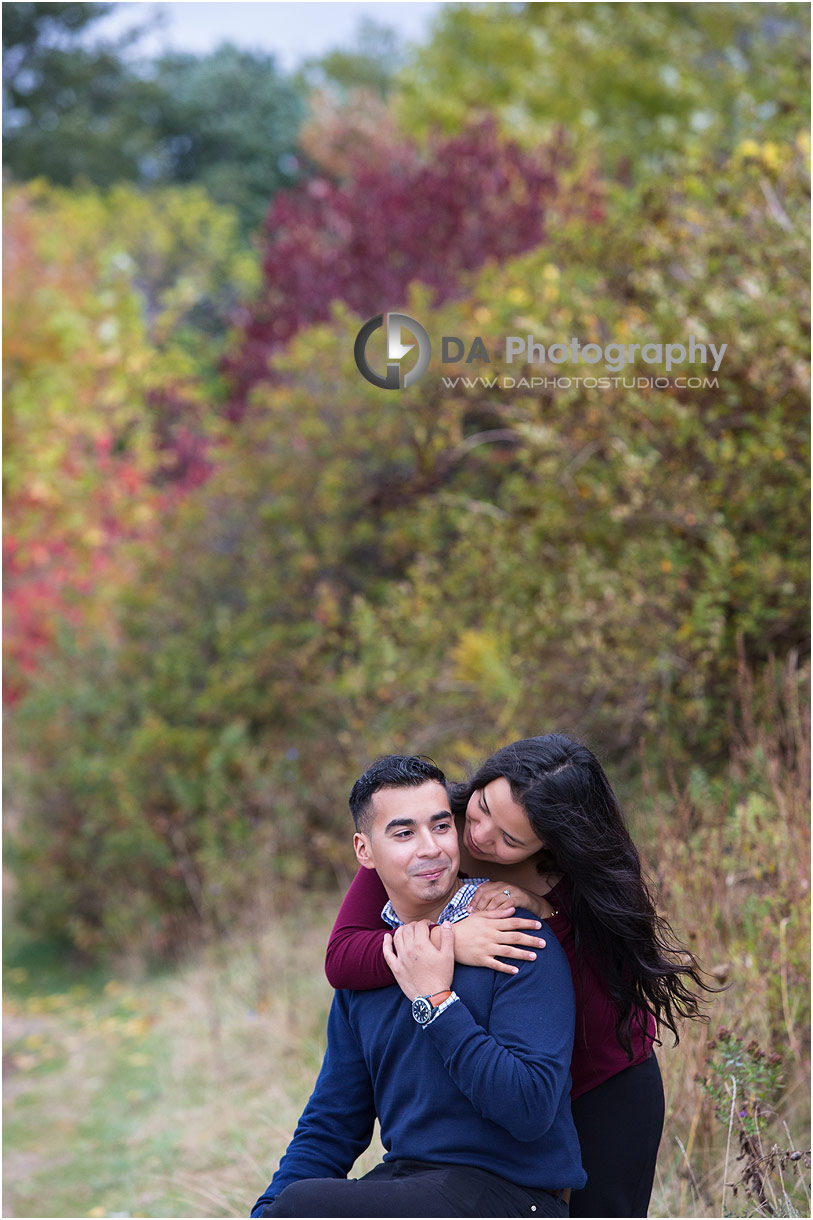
418	966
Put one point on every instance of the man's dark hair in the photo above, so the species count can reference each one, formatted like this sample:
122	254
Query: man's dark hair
392	771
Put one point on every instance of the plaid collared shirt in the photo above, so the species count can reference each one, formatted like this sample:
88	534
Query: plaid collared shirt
453	912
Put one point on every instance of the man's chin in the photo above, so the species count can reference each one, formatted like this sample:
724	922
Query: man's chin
424	897
435	886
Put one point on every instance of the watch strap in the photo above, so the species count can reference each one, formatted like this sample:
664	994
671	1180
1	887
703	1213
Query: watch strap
424	1010
450	999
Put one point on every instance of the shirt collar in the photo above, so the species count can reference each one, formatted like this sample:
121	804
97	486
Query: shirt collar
456	908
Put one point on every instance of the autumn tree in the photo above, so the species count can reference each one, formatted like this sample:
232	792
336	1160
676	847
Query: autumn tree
432	217
638	84
116	309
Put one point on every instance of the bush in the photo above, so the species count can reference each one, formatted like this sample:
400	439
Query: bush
392	219
447	568
116	310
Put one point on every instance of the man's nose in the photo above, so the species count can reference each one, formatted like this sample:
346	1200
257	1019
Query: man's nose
428	844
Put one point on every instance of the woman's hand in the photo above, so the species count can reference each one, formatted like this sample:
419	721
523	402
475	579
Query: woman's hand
481	939
499	895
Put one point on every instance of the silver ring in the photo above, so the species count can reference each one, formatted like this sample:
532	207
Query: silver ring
507	893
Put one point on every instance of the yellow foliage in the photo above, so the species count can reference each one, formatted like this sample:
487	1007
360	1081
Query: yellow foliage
480	660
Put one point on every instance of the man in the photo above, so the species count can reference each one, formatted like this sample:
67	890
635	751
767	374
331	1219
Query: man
467	1069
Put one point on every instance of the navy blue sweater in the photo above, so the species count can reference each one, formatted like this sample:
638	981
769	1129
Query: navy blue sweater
485	1084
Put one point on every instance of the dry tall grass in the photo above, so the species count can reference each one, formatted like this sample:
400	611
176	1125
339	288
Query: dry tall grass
732	861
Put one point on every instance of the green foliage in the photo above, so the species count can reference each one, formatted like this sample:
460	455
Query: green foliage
370	66
735	862
228	121
742	1079
743	1084
729	851
636	82
610	546
77	114
111	297
116	312
213	628
71	111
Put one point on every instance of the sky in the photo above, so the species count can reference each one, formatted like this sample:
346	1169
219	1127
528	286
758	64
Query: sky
292	31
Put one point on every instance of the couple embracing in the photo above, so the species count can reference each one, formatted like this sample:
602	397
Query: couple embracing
499	1020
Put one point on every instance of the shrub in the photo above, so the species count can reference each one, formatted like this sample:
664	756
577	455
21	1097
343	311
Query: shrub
404	216
446	568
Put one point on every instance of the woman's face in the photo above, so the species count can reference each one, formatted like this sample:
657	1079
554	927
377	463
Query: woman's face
497	828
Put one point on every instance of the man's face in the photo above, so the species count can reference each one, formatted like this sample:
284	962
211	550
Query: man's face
412	844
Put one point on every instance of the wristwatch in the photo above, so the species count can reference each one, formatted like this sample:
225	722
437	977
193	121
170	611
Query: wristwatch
427	1007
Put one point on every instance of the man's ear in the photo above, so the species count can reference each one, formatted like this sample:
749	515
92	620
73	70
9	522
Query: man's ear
363	850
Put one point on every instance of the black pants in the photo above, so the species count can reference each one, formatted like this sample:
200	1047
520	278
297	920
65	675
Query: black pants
412	1188
619	1125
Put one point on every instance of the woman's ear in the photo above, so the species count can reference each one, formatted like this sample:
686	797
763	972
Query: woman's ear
363	849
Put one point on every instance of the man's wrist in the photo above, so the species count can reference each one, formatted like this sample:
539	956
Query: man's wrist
426	1009
427	987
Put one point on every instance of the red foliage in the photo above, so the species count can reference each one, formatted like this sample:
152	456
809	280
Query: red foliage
432	217
184	454
57	571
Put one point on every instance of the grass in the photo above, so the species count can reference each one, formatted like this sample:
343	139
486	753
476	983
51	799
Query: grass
176	1095
731	857
168	1096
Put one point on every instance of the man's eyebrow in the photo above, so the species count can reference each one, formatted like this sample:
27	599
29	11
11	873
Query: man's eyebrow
396	822
399	822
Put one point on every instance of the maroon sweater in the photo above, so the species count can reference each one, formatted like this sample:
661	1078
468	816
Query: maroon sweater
355	960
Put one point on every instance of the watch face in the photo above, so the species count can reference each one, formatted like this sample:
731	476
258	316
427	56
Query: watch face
421	1010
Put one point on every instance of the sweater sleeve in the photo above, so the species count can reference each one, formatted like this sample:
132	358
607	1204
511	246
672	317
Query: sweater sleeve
338	1121
355	958
517	1073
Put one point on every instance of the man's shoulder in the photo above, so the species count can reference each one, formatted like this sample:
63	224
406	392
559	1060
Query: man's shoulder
551	967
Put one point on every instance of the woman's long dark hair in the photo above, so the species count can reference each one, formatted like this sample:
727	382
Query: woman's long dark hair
573	810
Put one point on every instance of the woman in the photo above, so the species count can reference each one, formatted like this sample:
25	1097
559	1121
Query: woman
541	819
